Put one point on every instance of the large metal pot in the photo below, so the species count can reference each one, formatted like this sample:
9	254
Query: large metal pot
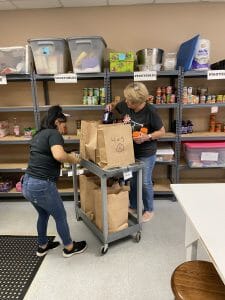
150	58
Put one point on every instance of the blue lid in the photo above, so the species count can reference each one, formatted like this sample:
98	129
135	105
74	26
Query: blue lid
186	53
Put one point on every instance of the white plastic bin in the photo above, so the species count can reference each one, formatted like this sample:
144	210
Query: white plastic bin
87	53
50	55
15	60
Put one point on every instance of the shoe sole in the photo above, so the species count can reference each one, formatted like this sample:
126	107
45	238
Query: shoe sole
71	254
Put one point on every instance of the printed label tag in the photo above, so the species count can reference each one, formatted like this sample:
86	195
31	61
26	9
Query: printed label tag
209	156
66	78
3	80
216	74
127	175
145	75
70	173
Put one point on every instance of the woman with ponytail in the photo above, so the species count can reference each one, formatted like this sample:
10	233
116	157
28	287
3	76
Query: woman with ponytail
39	182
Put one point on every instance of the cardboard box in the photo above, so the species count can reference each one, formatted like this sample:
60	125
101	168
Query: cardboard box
121	61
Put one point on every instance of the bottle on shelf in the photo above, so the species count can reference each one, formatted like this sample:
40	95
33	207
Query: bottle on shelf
16	128
107	116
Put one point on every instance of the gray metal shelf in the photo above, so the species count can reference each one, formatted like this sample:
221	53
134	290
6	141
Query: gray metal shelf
134	224
17	108
75	107
206	105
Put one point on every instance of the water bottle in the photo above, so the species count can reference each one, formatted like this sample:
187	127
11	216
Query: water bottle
107	117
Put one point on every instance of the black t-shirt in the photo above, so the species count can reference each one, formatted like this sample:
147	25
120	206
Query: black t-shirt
146	117
42	164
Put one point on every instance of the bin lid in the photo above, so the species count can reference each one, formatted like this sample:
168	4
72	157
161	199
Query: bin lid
87	38
46	39
197	145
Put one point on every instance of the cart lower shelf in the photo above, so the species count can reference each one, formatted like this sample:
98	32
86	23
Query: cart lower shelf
134	229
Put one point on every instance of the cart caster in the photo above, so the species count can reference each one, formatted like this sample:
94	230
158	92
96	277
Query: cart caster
104	249
138	237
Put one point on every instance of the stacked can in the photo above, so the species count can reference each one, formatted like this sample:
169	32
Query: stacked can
164	95
93	96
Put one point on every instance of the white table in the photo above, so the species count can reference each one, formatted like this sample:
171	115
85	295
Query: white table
204	206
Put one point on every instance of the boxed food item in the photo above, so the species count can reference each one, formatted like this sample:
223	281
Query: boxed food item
15	60
4	128
87	53
50	55
205	154
164	153
121	61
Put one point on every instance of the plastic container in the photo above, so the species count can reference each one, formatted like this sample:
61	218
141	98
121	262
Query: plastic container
50	55
205	154
15	60
87	53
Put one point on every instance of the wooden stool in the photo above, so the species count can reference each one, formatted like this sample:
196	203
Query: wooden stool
197	280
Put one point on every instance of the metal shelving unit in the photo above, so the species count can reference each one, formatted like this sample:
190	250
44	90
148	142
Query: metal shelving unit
173	110
197	135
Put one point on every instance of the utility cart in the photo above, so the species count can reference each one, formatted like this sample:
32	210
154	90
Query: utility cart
134	223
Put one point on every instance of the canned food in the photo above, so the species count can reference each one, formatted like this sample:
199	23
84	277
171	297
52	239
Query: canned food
102	92
85	100
85	92
90	92
89	100
96	92
169	89
189	90
95	100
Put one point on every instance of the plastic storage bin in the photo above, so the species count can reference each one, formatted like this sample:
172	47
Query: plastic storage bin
87	53
50	55
15	60
205	154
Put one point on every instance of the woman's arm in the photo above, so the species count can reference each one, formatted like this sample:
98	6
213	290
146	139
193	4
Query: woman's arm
144	137
60	155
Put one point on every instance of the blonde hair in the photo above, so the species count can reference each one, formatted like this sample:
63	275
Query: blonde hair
136	93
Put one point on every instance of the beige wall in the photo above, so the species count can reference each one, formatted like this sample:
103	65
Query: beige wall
163	26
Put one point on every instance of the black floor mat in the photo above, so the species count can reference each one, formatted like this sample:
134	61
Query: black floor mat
18	265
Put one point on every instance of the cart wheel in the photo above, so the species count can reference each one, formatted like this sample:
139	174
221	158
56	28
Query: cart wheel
104	249
138	237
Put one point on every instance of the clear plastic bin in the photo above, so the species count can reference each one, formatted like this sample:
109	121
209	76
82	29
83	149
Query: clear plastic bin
205	154
87	53
50	55
15	60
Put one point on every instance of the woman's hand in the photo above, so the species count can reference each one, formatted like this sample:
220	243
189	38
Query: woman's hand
143	137
126	119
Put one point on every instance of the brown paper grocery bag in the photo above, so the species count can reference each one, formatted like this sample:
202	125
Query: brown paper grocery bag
87	185
114	146
88	139
117	209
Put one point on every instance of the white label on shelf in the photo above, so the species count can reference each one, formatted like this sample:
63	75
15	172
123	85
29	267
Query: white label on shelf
145	75
80	171
209	156
214	109
70	173
127	175
3	80
216	74
66	78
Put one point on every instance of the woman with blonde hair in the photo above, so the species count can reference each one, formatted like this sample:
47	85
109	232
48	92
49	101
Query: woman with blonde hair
136	111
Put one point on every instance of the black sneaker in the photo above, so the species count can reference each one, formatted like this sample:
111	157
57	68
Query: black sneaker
51	245
78	247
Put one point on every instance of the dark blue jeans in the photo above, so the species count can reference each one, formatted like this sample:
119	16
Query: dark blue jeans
147	186
44	196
